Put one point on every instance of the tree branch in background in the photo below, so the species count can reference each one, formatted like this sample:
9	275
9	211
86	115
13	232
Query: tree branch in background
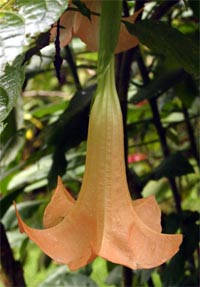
72	65
163	8
159	128
12	269
190	131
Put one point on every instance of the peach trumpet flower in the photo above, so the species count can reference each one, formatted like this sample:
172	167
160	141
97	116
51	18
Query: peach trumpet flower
73	23
104	220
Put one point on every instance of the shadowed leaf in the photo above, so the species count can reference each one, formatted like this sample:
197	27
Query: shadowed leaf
167	41
174	165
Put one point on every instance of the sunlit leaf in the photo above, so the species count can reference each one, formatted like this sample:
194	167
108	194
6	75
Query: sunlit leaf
49	109
19	29
34	172
10	87
12	37
27	208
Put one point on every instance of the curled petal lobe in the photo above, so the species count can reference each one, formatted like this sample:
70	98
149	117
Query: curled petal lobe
149	212
69	242
59	206
138	246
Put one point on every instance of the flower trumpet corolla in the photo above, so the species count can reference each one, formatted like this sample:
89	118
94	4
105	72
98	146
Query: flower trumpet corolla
73	23
104	221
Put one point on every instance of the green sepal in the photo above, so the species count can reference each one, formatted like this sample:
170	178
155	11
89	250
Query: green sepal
109	31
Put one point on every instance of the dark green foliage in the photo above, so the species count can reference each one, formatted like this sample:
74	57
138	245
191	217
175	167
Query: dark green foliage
165	40
160	85
174	165
6	201
63	278
69	131
175	272
82	8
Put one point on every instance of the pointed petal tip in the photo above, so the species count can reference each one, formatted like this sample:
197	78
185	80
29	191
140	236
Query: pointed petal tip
20	222
156	254
59	206
143	248
59	180
149	212
63	243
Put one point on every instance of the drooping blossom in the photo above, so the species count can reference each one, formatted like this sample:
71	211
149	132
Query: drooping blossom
73	23
104	220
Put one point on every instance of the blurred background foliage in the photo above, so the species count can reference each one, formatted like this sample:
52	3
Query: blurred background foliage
44	120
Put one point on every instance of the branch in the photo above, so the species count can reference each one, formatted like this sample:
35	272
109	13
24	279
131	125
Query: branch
44	93
159	128
11	268
163	8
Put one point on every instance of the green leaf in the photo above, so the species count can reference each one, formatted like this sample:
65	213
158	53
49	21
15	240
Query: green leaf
19	29
187	91
195	5
49	109
34	172
174	272
159	85
6	201
82	8
3	102
12	138
61	277
115	276
12	37
79	104
26	209
10	87
174	165
100	272
167	41
171	223
39	15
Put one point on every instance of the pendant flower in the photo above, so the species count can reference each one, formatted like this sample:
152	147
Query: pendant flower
73	23
104	221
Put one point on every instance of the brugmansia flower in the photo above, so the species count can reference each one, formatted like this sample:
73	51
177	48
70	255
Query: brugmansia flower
104	221
73	23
